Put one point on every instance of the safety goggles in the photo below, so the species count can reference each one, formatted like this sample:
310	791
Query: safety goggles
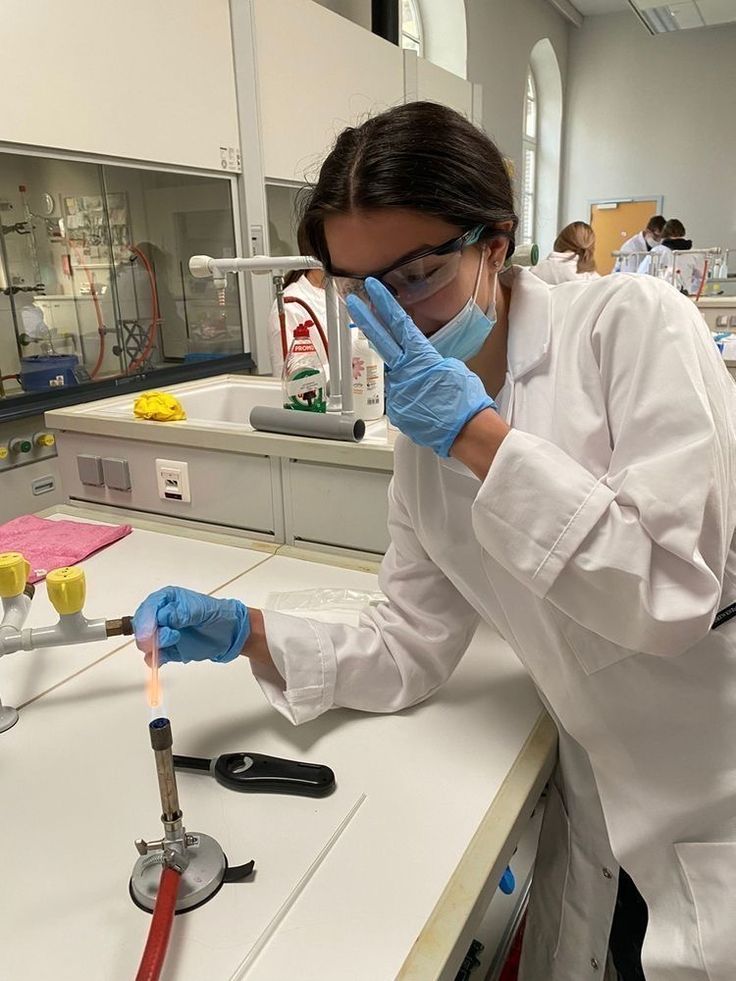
418	278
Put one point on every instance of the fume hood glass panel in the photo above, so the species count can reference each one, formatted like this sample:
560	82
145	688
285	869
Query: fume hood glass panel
94	278
283	207
53	296
170	217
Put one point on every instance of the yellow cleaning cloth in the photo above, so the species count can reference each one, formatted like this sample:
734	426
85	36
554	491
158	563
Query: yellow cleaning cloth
159	406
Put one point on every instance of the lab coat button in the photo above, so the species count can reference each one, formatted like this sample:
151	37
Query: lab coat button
594	963
607	873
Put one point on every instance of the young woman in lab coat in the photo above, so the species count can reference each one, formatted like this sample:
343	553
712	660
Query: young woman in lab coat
572	257
565	476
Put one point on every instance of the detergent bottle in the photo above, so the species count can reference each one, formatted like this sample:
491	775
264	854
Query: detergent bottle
303	381
367	379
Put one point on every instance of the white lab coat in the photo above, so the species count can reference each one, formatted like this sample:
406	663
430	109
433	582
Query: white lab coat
601	546
561	267
295	315
689	267
628	262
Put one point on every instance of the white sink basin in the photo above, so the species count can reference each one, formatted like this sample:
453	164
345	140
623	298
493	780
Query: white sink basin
222	403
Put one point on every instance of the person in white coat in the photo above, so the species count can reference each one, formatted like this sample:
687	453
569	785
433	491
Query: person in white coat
563	475
573	256
306	287
667	260
643	242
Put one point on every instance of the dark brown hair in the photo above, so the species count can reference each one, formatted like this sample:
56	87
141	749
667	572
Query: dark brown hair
420	157
656	224
673	229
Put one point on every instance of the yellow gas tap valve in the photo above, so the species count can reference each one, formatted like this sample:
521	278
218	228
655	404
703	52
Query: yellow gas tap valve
67	589
13	574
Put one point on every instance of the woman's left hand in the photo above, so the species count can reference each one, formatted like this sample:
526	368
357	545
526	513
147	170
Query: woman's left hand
428	397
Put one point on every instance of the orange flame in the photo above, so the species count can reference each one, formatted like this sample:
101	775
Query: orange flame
153	685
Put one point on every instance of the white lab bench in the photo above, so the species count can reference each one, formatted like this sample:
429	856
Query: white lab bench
388	877
719	312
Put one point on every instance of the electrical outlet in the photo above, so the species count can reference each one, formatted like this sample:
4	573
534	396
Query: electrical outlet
172	478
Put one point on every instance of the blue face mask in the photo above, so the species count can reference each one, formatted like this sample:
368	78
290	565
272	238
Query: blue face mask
464	335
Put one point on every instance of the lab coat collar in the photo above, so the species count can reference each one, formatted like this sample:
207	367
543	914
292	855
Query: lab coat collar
529	321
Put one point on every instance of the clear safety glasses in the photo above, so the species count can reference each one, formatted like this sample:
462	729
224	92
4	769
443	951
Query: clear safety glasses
418	278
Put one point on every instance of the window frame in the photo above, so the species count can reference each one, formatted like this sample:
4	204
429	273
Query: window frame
529	148
418	42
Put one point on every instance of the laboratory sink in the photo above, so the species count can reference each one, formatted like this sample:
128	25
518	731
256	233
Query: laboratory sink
222	403
277	488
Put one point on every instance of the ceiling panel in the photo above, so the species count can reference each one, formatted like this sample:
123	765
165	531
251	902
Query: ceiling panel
680	15
718	11
592	7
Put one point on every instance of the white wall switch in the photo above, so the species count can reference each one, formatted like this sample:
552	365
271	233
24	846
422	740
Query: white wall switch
172	478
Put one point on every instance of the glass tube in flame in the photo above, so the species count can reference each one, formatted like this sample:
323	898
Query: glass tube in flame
154	681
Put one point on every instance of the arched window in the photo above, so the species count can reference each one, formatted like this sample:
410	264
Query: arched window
411	27
529	163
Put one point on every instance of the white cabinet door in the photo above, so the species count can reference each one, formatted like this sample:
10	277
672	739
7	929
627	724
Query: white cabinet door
342	507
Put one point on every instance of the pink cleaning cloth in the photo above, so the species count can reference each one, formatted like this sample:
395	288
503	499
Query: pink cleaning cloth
50	545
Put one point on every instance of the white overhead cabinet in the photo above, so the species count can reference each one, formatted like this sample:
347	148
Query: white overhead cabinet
140	81
317	73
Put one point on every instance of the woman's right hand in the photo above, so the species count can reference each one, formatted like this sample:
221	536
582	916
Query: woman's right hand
191	626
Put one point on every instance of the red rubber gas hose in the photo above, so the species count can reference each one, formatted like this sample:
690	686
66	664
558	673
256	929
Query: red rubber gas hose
154	953
155	312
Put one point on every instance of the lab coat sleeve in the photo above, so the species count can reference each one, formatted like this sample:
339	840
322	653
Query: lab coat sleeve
399	653
637	556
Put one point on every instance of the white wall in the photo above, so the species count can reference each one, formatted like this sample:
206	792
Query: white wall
444	23
358	11
653	116
501	36
140	80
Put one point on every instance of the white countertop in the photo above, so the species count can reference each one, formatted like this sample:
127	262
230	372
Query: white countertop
716	301
79	785
118	579
113	417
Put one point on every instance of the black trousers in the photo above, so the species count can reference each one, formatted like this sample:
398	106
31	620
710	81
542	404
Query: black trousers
629	925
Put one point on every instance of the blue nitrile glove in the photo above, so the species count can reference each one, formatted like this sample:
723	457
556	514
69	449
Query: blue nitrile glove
428	397
191	626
